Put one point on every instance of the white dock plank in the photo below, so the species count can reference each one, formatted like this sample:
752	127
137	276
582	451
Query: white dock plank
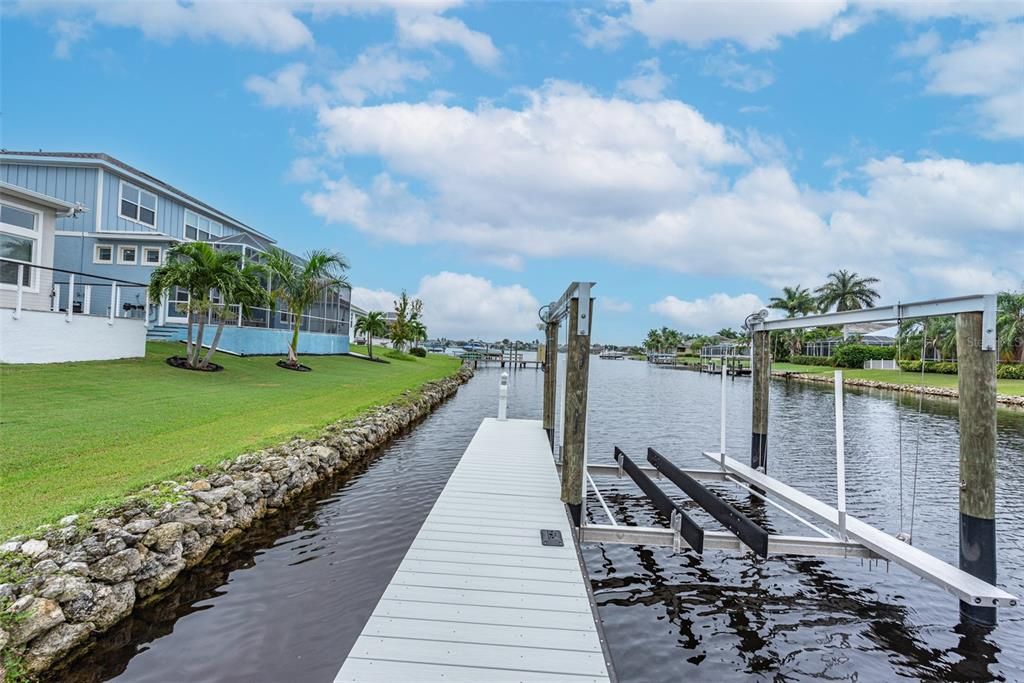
477	597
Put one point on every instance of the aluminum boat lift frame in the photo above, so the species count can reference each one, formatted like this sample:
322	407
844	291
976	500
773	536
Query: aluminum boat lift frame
843	536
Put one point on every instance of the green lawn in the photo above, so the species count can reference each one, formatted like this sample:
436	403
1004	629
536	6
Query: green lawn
74	435
1008	387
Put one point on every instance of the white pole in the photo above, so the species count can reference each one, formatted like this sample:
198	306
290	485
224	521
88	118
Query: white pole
145	314
87	299
721	436
113	304
840	456
71	297
503	398
55	304
17	307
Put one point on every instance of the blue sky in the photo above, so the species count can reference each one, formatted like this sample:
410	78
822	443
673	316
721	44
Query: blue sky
691	158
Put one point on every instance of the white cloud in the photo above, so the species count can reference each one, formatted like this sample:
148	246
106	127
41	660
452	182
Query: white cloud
735	74
461	305
286	87
69	32
757	26
373	299
305	170
419	29
656	184
763	25
613	305
989	68
378	71
647	81
262	25
708	315
925	44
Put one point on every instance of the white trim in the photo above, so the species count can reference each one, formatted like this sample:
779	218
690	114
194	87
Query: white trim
147	262
36	236
137	220
25	194
120	255
99	199
127	235
95	254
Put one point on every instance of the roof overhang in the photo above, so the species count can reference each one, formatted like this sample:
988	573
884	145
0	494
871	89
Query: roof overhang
133	236
18	192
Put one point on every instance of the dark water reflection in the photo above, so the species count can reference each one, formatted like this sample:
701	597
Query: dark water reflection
289	601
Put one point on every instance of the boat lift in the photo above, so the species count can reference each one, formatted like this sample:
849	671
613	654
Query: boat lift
835	533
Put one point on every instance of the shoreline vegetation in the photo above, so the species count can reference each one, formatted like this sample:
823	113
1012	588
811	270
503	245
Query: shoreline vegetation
128	424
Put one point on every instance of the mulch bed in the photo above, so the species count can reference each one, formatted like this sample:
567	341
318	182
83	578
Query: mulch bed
181	363
297	368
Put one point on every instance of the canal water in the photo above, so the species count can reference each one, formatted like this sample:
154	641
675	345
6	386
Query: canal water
288	602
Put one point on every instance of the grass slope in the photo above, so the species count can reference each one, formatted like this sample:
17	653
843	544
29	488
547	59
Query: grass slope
1007	387
77	434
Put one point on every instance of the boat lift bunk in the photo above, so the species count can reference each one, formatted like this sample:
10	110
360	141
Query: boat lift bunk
835	533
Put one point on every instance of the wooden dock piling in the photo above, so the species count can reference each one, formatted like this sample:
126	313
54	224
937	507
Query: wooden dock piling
550	378
761	369
977	385
574	436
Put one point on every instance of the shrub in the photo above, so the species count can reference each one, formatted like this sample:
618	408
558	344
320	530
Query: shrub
418	351
854	355
1010	371
811	360
942	368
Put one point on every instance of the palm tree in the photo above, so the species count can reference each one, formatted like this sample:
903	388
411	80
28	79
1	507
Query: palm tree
243	289
417	331
794	301
372	325
1010	324
299	285
847	292
653	341
202	270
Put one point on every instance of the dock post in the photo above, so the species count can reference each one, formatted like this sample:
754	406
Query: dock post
550	379
574	436
760	374
977	385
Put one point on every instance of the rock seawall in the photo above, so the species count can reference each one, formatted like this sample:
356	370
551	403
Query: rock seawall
66	582
1003	399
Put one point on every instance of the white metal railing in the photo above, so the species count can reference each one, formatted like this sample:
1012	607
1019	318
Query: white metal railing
264	318
81	294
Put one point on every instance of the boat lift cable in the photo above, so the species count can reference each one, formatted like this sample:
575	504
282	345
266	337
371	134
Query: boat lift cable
917	447
899	413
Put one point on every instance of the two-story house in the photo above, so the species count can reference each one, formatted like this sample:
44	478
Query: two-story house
102	226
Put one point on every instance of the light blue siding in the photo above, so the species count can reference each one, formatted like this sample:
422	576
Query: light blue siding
255	341
70	183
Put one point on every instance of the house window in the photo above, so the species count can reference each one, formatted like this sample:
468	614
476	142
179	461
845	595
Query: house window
151	256
201	228
128	255
19	241
103	253
138	205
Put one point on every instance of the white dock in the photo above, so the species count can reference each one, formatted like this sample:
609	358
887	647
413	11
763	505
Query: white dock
477	596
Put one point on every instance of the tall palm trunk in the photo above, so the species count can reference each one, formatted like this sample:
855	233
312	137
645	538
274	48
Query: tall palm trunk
214	343
369	344
188	345
193	360
293	350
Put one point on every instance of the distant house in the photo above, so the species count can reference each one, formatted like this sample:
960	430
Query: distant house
111	225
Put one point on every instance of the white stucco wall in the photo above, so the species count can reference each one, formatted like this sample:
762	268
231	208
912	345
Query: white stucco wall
45	337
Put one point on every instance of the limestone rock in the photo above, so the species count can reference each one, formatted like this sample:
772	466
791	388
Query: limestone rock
46	650
34	617
201	485
117	567
140	526
34	547
163	537
102	604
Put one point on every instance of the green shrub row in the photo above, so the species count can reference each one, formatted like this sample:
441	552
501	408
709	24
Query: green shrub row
855	355
1003	370
811	360
1008	371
